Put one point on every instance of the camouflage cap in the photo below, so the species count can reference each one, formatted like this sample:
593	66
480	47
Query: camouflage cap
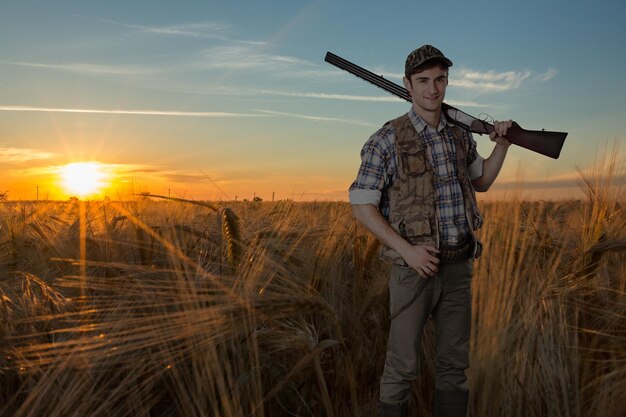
421	55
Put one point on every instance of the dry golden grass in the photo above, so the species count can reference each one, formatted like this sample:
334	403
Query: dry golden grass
270	309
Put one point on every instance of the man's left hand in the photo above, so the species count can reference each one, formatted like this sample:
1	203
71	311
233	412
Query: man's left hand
499	133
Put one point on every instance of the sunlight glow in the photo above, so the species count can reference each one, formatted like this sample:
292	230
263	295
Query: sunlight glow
83	179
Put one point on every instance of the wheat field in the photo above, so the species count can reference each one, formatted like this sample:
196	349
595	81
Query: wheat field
168	307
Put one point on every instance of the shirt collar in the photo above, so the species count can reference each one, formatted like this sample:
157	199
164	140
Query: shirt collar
420	124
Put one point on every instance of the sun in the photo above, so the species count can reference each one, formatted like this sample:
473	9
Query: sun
83	179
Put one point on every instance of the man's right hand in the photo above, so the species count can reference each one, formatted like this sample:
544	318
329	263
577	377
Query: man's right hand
423	259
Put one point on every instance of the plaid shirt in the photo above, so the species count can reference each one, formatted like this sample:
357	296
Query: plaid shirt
379	167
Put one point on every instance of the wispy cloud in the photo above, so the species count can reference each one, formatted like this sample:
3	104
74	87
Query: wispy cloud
488	81
92	69
251	58
258	113
184	177
207	30
238	58
318	118
160	173
187	29
111	170
548	75
328	96
464	103
128	112
242	57
21	155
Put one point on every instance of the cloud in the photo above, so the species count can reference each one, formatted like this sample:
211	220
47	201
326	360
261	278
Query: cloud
128	112
259	113
259	59
21	155
128	171
133	169
492	81
240	58
548	75
318	118
183	177
246	58
207	30
56	168
92	69
458	103
187	29
328	96
158	173
233	53
488	81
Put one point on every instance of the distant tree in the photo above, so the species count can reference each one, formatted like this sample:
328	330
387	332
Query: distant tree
4	195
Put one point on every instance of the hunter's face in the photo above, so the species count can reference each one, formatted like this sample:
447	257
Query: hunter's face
428	89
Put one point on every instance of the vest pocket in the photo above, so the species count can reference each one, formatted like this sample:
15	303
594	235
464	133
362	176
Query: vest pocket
413	162
417	227
412	228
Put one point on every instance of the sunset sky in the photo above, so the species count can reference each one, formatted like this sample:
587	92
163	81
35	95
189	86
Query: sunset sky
231	99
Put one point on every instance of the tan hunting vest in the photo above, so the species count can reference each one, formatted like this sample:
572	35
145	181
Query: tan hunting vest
412	194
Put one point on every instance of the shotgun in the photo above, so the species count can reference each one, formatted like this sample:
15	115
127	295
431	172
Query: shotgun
540	141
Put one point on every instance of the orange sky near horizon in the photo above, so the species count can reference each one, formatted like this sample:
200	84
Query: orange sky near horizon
123	182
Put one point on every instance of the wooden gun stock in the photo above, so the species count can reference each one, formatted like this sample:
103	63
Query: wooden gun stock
540	141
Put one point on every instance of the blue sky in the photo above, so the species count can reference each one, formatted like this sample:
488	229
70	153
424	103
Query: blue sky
230	99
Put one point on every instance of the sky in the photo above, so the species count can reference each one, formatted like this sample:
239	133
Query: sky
227	100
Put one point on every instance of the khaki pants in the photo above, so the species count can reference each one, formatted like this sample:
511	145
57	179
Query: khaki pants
447	297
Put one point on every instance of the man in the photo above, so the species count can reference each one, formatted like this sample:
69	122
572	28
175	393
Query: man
415	193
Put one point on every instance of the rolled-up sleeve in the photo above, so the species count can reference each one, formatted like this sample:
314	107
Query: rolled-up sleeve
365	197
373	175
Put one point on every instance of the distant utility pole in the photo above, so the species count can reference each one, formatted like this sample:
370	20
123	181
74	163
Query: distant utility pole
272	196
37	193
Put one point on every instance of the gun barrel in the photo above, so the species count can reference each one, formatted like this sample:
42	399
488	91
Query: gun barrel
377	80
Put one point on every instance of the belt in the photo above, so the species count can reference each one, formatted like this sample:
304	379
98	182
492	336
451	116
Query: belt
451	254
